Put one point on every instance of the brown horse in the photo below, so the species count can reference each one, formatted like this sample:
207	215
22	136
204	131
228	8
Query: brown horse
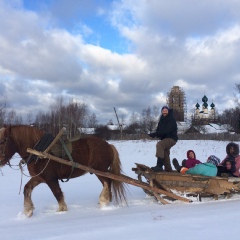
91	151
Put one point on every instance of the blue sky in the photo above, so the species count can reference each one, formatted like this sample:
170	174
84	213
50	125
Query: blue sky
87	17
125	54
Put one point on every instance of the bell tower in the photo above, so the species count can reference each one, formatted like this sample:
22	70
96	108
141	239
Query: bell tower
176	100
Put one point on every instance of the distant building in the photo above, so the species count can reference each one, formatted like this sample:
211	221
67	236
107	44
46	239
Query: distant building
204	115
87	131
176	100
208	129
182	127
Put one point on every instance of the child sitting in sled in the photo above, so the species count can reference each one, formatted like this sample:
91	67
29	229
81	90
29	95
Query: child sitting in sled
206	169
227	169
190	162
230	166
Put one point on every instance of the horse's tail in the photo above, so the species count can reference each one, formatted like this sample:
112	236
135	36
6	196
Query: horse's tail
118	187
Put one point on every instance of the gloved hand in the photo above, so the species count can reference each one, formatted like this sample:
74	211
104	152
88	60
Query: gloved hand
152	135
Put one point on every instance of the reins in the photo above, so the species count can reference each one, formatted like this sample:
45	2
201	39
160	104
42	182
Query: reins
23	162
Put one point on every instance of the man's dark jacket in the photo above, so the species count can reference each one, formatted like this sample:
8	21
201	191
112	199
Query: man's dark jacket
167	127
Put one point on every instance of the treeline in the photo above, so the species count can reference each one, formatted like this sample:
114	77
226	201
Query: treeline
6	115
73	115
231	116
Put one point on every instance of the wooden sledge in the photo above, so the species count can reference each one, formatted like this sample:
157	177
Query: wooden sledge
188	184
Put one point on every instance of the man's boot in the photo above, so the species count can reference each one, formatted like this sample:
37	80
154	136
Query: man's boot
176	164
159	167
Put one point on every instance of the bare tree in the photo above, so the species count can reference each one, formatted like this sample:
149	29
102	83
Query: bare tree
237	95
29	118
134	118
13	118
75	117
71	115
148	121
92	121
134	124
231	117
3	109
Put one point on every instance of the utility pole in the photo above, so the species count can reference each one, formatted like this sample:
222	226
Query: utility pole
120	125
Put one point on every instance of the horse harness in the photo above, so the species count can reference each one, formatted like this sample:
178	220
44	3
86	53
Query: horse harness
41	145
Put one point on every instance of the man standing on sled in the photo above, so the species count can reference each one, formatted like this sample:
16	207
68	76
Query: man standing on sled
167	132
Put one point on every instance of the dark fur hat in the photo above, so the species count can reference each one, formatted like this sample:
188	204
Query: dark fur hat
235	147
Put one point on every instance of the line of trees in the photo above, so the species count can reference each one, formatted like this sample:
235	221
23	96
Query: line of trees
73	115
144	123
231	116
8	116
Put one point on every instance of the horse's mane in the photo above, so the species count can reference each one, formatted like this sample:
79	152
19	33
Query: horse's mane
24	134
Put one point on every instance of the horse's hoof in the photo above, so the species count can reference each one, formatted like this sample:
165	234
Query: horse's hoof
28	213
62	209
103	204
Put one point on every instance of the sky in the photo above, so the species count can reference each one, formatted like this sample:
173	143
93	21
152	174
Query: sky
143	218
126	54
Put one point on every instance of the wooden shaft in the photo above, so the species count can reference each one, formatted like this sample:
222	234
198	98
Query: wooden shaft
120	178
160	199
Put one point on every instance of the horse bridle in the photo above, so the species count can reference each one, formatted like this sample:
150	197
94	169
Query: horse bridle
4	142
2	152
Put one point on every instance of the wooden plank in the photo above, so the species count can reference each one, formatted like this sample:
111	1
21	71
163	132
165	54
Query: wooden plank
157	195
120	178
160	199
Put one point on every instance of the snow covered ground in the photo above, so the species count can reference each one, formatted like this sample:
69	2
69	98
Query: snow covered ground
143	218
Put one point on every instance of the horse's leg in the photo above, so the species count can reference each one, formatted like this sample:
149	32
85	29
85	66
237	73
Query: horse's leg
106	195
57	192
28	188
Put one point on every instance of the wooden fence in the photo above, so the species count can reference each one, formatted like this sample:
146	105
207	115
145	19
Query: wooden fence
190	136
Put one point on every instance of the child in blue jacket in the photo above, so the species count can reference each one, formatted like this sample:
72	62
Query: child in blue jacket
206	169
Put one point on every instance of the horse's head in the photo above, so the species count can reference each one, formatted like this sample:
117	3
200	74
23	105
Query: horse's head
6	150
16	139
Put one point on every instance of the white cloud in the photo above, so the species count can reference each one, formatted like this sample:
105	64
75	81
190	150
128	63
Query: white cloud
195	47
